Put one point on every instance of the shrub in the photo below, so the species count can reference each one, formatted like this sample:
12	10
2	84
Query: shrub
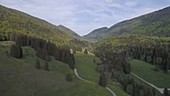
46	67
37	64
69	78
103	80
16	51
129	89
94	60
165	92
85	51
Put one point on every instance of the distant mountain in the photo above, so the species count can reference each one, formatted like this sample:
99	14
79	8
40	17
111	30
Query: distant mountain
69	32
15	21
96	34
153	24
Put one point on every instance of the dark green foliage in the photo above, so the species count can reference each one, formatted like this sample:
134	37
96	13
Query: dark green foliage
16	51
71	61
154	91
74	51
69	78
46	67
85	51
150	92
44	49
156	53
103	80
37	64
42	53
126	68
129	89
135	89
77	44
165	92
115	59
94	60
4	37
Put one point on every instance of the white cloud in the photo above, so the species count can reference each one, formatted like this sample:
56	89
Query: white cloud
130	3
109	1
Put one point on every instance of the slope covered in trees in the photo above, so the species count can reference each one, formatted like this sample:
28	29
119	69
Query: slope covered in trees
19	22
154	50
153	24
116	54
96	34
44	49
69	32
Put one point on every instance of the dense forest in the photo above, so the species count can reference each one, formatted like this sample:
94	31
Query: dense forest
44	49
116	54
13	21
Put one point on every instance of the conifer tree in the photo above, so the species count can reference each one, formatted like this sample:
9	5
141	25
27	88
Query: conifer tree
85	51
37	64
103	80
16	51
46	67
165	92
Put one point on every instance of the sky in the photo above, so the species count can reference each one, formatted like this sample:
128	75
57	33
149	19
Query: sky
83	16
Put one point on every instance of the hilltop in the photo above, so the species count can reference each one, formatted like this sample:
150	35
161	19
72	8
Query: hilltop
153	24
96	34
19	22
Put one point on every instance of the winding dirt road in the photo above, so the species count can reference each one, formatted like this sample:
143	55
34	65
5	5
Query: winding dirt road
108	89
161	90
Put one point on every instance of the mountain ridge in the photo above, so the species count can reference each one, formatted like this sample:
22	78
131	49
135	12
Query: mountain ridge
68	31
19	22
156	23
94	34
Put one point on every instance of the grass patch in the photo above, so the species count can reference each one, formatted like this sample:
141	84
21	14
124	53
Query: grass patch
144	84
87	69
19	77
117	88
145	71
86	66
84	89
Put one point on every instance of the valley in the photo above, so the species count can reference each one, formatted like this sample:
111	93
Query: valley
131	58
23	76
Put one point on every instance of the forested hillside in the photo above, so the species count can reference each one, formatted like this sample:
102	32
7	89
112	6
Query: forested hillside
68	31
118	53
19	22
96	34
153	24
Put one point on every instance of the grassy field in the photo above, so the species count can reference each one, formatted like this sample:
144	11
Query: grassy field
117	88
146	71
19	77
86	66
84	89
87	69
144	84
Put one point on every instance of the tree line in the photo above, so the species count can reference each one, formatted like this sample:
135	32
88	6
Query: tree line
44	49
115	64
158	55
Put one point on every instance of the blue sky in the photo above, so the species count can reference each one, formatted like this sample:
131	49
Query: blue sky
83	16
